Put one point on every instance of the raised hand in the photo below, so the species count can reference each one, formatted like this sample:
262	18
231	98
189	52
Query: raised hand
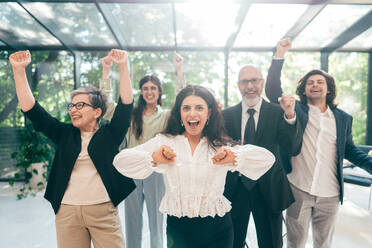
282	47
106	66
164	155
20	60
287	102
177	62
224	156
118	56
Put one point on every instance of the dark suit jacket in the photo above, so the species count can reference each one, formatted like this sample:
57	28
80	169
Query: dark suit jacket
272	131
345	145
102	149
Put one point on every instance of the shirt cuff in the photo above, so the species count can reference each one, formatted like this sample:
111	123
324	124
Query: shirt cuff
291	121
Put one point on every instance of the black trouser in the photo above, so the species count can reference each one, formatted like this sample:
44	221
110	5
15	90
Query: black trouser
268	225
199	232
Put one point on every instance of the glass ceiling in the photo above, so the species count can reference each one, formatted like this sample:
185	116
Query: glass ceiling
185	25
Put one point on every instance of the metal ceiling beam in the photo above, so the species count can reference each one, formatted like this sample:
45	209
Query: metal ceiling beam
311	12
182	49
50	26
350	33
369	102
11	40
239	20
112	24
353	2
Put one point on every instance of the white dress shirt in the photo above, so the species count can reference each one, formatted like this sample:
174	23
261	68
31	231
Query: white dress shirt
194	185
314	169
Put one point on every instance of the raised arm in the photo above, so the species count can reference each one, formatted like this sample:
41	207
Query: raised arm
120	58
105	86
273	87
180	80
19	61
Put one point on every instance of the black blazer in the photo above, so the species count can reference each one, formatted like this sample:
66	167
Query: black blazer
102	149
272	131
345	144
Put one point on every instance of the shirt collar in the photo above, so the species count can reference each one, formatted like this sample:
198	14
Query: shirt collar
256	107
314	109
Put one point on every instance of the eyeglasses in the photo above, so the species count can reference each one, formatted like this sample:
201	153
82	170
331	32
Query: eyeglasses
254	81
78	105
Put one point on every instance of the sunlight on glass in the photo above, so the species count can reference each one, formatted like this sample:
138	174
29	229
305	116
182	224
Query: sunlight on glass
332	21
143	24
260	31
19	26
364	40
205	23
82	22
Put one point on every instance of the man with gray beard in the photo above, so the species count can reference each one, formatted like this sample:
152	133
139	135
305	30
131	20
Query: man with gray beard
255	121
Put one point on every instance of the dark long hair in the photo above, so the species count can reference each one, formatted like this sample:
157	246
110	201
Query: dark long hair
137	120
214	131
331	85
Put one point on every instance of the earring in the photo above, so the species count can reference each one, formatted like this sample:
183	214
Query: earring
181	123
207	122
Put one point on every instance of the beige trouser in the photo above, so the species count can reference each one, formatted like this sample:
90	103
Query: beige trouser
78	225
320	211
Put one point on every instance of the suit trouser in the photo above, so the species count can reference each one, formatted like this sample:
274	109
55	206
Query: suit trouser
78	225
321	211
151	190
268	224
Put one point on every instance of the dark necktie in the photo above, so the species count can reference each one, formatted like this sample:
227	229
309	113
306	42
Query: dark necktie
249	131
249	134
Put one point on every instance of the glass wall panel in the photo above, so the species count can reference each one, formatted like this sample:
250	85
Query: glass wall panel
80	22
205	23
351	74
331	22
364	40
20	27
265	24
52	78
143	24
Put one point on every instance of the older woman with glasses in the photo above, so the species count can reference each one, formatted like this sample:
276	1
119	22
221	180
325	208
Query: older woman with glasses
83	187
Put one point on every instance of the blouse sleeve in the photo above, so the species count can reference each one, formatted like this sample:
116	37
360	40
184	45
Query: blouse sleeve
136	162
252	161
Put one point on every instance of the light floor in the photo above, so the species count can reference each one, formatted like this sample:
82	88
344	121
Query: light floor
29	223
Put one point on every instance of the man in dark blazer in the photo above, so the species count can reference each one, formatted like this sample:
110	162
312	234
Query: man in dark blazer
269	127
316	175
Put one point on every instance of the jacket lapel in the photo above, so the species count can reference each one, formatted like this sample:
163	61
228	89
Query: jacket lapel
261	121
340	127
237	122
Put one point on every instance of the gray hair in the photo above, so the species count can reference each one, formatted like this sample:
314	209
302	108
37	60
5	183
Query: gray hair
97	98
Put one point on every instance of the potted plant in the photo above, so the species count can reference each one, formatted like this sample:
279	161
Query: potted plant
32	159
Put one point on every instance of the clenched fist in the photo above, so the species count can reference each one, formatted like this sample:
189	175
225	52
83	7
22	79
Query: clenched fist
118	56
224	156
282	47
288	102
164	155
20	60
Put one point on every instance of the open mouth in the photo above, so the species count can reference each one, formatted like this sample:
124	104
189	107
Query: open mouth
193	124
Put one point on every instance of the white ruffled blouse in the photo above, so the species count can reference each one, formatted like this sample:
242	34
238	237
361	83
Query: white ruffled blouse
194	185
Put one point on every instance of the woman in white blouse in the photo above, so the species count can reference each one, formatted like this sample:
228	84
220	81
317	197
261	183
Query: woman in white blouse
193	155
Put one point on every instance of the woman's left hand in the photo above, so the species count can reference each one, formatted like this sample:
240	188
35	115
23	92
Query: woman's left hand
224	156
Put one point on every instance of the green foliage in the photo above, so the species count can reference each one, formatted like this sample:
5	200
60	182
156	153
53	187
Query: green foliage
34	147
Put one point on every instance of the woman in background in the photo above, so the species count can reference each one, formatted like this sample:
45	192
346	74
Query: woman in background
148	119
